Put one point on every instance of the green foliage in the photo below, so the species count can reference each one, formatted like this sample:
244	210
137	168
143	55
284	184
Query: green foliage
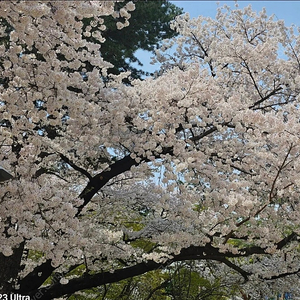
130	289
144	244
180	281
187	283
35	255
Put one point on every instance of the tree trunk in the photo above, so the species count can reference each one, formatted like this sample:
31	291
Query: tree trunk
10	266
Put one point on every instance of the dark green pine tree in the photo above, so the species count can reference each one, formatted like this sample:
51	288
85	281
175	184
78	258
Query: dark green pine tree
149	25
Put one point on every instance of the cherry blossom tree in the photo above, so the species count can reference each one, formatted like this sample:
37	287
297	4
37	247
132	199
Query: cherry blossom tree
113	181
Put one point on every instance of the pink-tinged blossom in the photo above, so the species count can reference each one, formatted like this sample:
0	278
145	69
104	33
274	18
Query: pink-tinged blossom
201	162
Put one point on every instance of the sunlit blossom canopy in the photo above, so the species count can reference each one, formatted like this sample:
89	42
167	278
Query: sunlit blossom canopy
200	163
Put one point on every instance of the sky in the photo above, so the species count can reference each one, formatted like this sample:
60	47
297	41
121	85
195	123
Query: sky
289	11
286	10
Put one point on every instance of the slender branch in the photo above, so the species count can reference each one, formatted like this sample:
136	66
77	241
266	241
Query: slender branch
209	131
265	97
271	196
75	167
295	54
283	165
273	105
205	54
203	134
282	275
236	268
252	78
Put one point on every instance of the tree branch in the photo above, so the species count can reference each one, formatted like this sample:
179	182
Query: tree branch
207	252
271	195
36	278
236	268
89	281
265	97
75	167
117	168
282	275
99	180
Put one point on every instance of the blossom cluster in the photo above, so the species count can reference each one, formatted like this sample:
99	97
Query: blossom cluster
213	142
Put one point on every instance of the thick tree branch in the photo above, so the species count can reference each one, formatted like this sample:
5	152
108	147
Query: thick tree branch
207	252
286	240
259	250
99	180
117	168
236	268
30	284
36	277
89	281
9	267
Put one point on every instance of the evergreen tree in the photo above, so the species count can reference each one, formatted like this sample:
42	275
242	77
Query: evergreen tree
149	25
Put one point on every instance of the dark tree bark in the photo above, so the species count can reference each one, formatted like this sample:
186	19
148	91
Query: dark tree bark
207	252
9	269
